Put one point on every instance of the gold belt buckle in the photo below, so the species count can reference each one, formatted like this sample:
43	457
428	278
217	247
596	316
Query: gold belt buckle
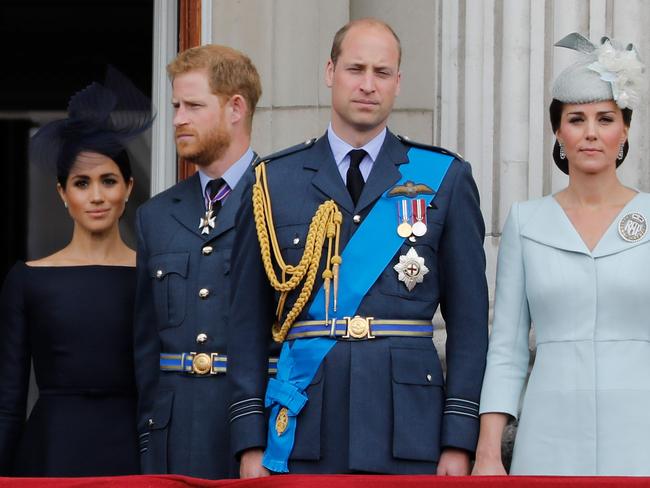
201	363
358	327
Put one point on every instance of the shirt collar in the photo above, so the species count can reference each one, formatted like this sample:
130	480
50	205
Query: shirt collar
340	148
232	174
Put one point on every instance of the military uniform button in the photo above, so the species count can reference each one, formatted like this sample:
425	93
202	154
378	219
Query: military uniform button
296	241
159	273
151	423
207	250
201	338
429	378
356	219
412	239
204	293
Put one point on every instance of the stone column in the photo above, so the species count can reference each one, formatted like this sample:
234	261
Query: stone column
289	42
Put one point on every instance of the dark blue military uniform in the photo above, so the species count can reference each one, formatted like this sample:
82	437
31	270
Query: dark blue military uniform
377	405
182	307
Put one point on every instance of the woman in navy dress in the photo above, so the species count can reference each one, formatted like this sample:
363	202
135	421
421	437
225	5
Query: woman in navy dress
71	312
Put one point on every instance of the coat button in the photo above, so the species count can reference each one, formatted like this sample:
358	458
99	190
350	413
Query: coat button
151	423
201	338
356	219
207	250
159	273
204	293
429	378
296	241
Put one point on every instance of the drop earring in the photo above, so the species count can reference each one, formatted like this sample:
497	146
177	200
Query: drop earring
620	151
562	153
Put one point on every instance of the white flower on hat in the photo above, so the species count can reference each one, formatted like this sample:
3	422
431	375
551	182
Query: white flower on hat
622	69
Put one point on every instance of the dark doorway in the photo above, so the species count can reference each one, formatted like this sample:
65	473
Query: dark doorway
51	50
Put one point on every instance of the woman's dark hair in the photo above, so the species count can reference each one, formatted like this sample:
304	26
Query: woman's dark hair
121	159
555	113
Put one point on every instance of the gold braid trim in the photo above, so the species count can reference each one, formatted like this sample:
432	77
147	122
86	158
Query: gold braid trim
325	224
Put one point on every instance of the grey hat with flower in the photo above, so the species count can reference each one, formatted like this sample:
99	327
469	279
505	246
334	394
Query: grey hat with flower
605	71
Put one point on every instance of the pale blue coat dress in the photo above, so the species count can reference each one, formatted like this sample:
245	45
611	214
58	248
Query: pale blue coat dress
586	409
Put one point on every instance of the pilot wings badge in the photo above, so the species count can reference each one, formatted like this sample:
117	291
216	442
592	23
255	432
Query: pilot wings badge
410	190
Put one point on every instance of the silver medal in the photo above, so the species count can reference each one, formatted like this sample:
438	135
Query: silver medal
419	228
420	214
411	269
633	226
207	222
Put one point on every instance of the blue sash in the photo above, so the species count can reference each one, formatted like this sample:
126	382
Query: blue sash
300	359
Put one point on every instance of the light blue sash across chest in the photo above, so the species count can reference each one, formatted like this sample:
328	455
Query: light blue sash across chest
300	359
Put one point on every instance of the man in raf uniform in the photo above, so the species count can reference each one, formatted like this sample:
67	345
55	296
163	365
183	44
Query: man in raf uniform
185	238
348	246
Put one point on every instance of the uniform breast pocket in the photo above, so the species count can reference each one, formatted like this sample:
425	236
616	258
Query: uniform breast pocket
418	400
417	266
168	273
291	239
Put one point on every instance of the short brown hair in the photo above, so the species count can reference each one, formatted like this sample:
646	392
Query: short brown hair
230	72
340	35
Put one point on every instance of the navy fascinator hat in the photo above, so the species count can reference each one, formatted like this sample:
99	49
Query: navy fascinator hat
102	118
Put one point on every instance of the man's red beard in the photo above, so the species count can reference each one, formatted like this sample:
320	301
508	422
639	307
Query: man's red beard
204	151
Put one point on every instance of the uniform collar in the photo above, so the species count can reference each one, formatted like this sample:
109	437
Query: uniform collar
340	148
232	174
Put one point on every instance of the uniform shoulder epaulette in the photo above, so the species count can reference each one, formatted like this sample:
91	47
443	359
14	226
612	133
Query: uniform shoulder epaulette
442	150
290	150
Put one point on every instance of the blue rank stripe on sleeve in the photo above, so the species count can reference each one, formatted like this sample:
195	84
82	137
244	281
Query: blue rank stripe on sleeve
300	359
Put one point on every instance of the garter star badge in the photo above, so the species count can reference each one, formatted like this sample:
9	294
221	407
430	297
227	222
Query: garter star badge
411	269
632	227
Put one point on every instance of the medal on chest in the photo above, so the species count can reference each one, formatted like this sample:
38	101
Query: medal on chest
404	228
208	221
213	204
411	217
419	206
411	269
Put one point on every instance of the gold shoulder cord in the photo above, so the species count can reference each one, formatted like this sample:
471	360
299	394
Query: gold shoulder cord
325	224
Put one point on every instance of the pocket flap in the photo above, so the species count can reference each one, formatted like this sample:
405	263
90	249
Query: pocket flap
292	236
162	410
415	366
161	265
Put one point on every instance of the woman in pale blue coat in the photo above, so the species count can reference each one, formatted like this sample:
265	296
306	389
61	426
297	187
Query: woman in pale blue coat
577	265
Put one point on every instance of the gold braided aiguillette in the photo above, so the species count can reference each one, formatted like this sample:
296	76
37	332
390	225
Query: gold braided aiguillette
325	224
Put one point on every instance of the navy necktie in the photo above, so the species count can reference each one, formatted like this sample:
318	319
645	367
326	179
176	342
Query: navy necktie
354	178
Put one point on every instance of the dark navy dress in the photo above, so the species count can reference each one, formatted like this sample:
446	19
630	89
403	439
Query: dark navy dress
75	322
